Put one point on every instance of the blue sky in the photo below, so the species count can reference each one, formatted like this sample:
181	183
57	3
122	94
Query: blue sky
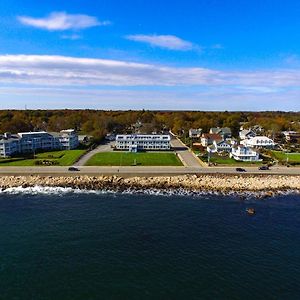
134	54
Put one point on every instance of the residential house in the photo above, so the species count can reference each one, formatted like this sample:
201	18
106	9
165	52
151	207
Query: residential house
136	142
195	133
291	136
221	146
246	134
225	132
243	153
207	139
259	142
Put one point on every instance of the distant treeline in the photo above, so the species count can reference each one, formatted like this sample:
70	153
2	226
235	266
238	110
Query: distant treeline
98	123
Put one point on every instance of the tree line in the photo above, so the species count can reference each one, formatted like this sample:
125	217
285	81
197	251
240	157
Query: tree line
99	122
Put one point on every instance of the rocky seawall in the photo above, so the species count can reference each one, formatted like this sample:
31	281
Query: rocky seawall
225	184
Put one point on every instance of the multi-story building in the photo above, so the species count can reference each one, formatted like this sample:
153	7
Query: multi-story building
26	142
136	142
242	153
68	139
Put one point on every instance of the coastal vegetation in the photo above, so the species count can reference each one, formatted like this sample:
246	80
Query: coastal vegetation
58	158
132	159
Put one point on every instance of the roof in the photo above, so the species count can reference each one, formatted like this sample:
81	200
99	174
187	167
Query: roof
213	136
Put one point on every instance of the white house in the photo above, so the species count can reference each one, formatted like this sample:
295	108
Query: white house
246	134
219	146
195	133
242	153
207	139
136	142
259	142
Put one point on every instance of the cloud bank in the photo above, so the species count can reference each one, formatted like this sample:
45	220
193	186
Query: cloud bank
70	71
62	21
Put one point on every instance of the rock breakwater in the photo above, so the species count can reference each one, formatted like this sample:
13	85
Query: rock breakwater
225	184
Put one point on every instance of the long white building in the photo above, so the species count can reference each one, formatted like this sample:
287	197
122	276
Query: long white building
136	142
259	142
26	142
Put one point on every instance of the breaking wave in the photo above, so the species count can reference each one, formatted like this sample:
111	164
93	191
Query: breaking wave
61	191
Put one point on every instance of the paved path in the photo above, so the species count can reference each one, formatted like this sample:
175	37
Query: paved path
188	158
101	148
141	171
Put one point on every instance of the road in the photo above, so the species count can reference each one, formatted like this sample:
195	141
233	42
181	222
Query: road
183	151
141	171
101	148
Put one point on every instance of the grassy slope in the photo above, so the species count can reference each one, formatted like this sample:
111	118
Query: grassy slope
128	159
64	158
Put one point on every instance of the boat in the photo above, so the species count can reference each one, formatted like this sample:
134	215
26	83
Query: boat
250	211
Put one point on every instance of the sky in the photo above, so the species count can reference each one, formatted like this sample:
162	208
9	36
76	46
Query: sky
161	55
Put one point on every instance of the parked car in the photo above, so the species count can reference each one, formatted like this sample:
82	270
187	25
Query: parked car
264	168
73	169
240	170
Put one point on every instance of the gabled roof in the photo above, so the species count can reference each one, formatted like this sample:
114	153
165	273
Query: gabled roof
212	136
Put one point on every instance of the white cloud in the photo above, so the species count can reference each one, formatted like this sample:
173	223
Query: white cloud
72	37
163	41
62	21
72	71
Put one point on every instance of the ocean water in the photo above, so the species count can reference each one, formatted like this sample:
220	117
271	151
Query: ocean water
71	245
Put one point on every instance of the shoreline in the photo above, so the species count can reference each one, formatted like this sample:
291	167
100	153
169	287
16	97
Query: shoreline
263	185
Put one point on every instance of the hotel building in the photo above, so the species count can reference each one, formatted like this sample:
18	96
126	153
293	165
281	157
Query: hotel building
138	142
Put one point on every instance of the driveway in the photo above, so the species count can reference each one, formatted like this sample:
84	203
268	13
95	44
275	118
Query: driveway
106	147
181	149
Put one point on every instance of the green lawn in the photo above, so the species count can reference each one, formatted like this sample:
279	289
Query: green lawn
226	160
139	159
61	158
293	158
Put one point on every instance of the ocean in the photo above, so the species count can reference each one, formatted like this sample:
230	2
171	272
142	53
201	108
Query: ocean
64	244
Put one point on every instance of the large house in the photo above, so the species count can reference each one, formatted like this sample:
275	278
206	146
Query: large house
195	133
207	139
259	142
224	132
136	142
26	142
242	153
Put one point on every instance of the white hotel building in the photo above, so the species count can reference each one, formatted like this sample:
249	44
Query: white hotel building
136	142
26	142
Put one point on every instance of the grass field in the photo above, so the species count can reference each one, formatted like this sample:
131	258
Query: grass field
61	158
292	158
129	159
